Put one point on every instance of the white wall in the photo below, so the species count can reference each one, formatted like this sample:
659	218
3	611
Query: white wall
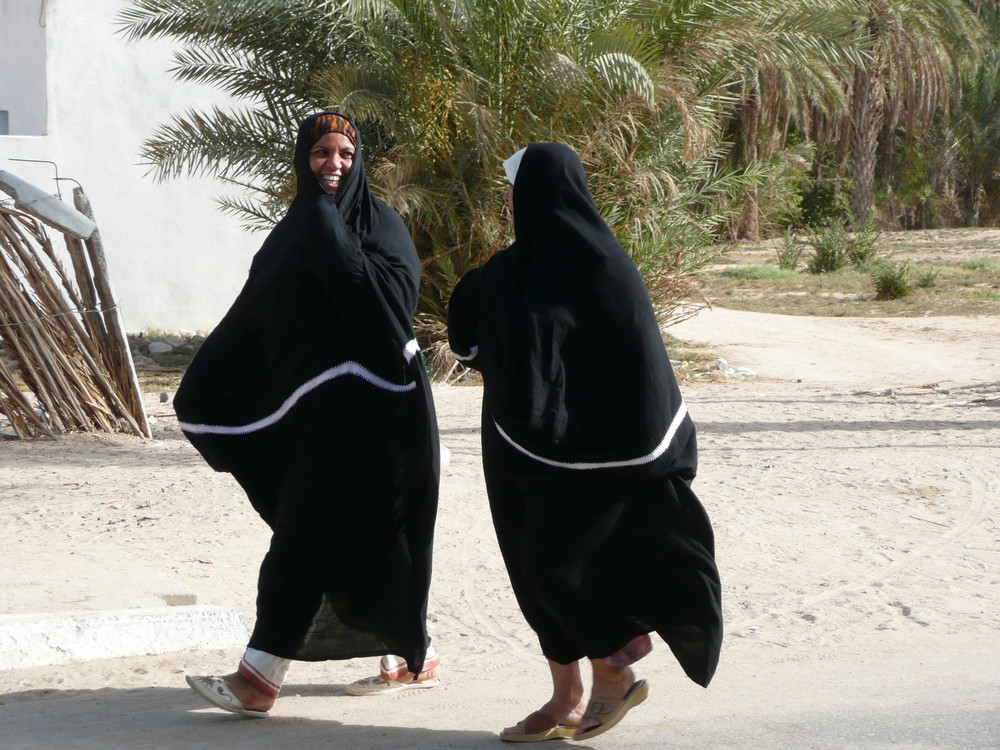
175	261
22	65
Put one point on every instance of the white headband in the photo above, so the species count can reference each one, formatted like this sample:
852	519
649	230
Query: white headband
510	166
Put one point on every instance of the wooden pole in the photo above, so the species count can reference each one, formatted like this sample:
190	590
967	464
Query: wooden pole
125	370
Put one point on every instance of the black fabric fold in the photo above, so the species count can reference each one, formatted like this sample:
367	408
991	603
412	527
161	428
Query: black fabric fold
310	391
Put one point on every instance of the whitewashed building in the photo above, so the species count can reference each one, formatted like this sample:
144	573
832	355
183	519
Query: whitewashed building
73	92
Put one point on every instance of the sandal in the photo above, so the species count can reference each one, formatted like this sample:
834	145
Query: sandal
217	692
398	678
538	727
376	685
609	711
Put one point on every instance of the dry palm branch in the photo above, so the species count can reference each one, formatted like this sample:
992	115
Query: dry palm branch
60	326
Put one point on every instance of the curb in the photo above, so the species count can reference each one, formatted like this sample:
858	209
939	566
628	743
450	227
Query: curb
49	639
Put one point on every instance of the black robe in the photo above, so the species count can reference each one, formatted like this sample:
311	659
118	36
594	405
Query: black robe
588	448
312	393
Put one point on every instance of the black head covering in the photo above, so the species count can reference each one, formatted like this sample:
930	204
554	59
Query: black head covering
566	338
357	204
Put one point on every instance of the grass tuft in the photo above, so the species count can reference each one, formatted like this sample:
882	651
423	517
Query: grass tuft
890	281
981	263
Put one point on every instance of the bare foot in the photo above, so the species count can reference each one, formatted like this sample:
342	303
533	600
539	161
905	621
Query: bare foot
252	697
563	713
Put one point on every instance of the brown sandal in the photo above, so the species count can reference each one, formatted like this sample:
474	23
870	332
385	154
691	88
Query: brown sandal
539	727
609	711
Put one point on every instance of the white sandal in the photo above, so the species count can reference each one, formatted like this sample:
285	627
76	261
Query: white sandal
217	692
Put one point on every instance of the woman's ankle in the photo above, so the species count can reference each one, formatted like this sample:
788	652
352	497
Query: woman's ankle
636	649
248	694
610	679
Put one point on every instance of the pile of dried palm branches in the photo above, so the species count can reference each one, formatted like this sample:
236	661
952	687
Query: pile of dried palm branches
63	334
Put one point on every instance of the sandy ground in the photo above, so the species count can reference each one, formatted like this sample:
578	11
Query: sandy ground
853	483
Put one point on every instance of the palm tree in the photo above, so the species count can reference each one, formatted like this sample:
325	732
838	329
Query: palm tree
799	78
976	124
914	48
444	90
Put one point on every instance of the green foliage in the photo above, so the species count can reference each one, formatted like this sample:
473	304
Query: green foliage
788	178
444	90
890	280
822	203
981	263
937	165
914	49
830	248
692	118
755	272
927	278
789	252
863	246
837	247
975	126
823	200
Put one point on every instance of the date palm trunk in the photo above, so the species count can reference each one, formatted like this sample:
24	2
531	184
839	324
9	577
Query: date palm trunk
748	225
867	114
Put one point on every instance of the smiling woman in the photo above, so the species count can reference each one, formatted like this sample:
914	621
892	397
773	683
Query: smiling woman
335	445
331	159
331	156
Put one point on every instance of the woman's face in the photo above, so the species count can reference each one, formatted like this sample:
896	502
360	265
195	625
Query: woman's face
331	159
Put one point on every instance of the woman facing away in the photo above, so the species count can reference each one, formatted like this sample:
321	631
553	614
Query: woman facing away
311	392
588	452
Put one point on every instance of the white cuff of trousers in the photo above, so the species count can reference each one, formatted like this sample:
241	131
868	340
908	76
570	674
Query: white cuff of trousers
270	670
391	662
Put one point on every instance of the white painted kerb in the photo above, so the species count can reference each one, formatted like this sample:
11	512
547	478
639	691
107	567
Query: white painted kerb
46	639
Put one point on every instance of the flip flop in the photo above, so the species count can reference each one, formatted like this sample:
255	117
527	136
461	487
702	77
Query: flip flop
611	710
377	686
217	692
539	727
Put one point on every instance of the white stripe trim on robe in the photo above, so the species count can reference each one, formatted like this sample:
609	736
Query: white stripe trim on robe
640	461
347	368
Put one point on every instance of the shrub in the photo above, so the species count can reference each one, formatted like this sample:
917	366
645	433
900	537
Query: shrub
790	251
829	251
890	281
863	246
838	247
823	201
927	277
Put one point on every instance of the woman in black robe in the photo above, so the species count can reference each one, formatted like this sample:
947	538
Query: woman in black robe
588	452
312	393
